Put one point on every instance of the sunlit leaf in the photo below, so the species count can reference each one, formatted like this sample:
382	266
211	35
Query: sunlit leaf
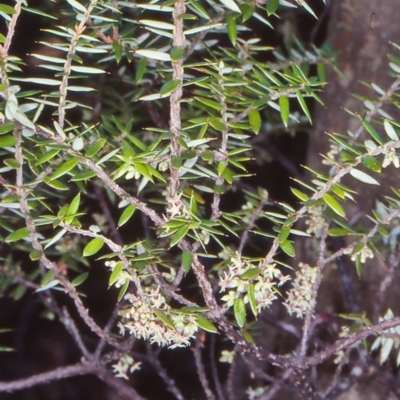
363	177
205	324
332	203
93	247
284	107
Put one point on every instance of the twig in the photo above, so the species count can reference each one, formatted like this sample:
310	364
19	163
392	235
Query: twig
215	211
175	106
214	370
46	377
69	324
152	357
313	302
253	219
348	341
99	195
231	375
79	29
198	344
276	387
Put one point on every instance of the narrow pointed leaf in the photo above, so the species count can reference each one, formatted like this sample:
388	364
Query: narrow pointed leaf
272	6
187	258
390	130
17	235
332	203
284	106
126	215
255	120
363	177
288	248
93	247
205	324
239	310
231	5
231	25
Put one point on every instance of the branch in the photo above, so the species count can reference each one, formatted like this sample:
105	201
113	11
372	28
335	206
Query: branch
175	106
348	341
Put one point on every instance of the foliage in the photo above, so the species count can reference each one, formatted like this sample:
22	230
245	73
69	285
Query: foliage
120	150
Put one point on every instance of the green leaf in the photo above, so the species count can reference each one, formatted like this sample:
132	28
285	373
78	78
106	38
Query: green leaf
288	248
303	105
321	72
7	9
117	48
272	6
284	233
196	5
123	290
6	127
371	163
7	141
164	319
231	25
116	272
95	148
64	168
179	235
221	167
284	106
332	203
252	299
74	205
80	279
126	215
338	232
140	69
363	177
83	176
247	11
255	120
176	53
210	103
169	86
371	130
93	247
187	259
17	235
250	273
299	195
239	310
205	324
47	156
217	124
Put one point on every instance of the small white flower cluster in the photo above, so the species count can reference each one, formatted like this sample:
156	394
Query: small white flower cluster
166	329
364	253
177	208
391	158
317	222
126	364
254	394
299	297
239	277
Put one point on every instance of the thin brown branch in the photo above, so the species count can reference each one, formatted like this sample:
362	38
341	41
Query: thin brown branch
201	372
175	106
